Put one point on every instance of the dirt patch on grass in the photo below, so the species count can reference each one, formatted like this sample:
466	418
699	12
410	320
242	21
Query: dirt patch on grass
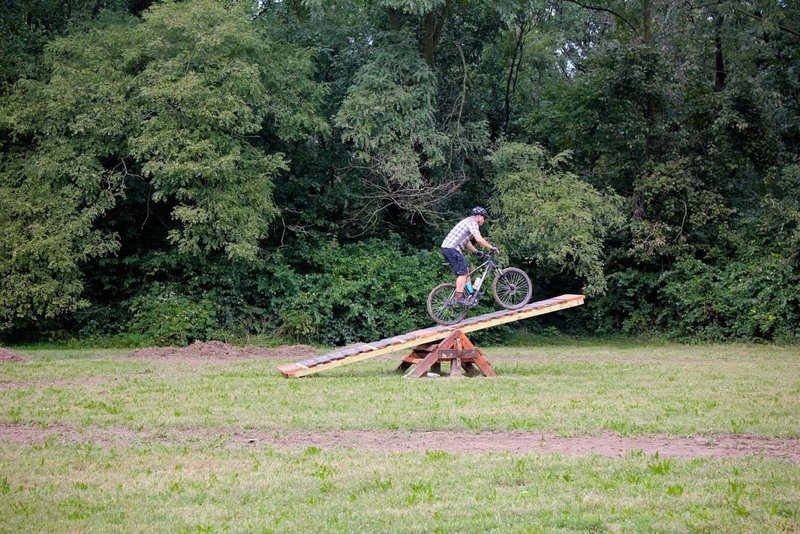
219	351
454	442
604	444
8	356
87	381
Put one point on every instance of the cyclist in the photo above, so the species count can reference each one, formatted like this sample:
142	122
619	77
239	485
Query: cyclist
459	237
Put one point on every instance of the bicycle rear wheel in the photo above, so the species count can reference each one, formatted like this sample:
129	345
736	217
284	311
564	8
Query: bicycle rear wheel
442	307
512	288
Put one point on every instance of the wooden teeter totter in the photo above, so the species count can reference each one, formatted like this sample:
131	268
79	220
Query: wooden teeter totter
453	346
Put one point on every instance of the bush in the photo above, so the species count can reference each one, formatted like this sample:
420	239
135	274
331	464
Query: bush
361	292
168	317
630	307
753	298
550	216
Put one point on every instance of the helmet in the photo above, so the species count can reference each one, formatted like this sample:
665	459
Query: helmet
477	210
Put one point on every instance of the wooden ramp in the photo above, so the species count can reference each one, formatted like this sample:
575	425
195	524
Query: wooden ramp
365	351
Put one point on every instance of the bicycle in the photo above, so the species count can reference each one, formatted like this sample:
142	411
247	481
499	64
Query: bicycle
511	289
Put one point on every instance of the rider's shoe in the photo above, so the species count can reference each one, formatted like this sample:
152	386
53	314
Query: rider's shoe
464	301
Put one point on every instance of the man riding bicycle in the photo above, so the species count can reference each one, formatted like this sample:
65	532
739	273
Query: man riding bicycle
459	237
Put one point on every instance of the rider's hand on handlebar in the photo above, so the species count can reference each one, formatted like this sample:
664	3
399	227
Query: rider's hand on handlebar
495	251
480	253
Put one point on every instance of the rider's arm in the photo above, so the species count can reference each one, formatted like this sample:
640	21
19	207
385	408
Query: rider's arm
481	241
471	247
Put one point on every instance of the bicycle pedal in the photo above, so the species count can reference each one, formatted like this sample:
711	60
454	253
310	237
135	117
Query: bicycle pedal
474	299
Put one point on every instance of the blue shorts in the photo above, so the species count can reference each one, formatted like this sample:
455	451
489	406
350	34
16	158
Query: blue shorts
456	260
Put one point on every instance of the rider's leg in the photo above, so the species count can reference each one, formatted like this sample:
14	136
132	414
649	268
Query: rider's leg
460	268
461	281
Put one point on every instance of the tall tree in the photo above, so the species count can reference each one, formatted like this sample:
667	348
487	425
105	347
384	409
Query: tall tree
179	100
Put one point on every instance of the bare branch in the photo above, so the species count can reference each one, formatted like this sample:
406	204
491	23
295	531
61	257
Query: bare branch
761	19
605	9
418	200
753	16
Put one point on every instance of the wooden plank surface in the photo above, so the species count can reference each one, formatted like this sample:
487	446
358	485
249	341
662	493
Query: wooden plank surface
365	351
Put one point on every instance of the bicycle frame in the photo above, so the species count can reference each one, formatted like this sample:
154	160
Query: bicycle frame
488	265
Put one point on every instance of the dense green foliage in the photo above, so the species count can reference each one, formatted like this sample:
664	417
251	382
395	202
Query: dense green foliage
552	217
359	291
186	169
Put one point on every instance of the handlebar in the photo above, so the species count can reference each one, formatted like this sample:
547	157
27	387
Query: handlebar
492	253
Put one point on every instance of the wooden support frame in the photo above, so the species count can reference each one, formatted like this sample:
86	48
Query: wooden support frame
456	350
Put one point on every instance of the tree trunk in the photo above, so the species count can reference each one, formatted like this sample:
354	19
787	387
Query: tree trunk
433	29
516	64
647	20
394	18
720	74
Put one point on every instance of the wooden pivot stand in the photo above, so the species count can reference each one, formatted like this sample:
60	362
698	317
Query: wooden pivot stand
456	349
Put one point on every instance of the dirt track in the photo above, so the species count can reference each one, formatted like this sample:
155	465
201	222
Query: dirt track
219	351
10	356
455	442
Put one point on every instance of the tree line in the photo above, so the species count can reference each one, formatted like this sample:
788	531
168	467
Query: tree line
192	169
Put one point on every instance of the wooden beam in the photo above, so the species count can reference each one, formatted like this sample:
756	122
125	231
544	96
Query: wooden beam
366	351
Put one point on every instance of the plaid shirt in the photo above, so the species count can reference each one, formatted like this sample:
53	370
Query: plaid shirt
461	233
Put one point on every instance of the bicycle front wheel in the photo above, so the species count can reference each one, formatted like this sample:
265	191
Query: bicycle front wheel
512	288
442	305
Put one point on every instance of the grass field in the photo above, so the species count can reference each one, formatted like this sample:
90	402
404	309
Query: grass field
93	441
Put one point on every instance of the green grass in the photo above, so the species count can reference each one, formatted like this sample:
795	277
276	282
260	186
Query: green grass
206	485
674	389
188	489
